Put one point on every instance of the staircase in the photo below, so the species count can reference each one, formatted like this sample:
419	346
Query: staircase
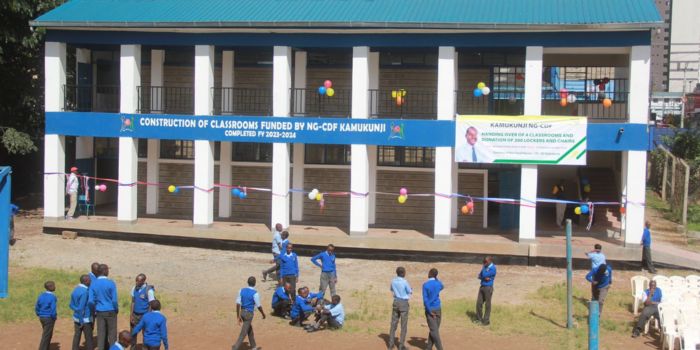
603	189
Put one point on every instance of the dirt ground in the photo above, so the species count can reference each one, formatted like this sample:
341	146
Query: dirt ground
203	285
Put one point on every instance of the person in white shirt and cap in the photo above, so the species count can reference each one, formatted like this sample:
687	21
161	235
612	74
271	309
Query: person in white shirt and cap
72	191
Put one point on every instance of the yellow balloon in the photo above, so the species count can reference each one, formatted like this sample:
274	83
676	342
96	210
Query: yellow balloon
587	188
330	92
577	210
481	85
393	93
319	196
402	199
171	188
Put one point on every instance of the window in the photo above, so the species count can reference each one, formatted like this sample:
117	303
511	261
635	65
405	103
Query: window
327	154
252	152
106	147
143	148
176	149
422	157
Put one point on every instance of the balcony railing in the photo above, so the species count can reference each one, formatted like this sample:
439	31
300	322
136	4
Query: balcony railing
88	98
166	99
588	99
414	104
242	101
309	102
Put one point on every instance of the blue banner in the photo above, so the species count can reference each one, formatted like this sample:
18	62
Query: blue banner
342	131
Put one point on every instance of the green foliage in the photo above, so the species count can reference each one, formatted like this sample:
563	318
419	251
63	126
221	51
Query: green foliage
21	62
686	144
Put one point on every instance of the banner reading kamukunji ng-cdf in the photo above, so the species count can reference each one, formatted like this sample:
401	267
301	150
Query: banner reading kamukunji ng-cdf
520	139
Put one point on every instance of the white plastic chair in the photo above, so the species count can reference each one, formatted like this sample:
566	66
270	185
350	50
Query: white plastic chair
689	329
668	317
678	283
693	283
639	285
662	282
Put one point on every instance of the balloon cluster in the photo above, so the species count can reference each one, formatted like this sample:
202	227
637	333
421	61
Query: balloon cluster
326	89
241	193
173	189
481	90
583	209
468	208
565	97
399	96
317	196
101	187
403	195
601	84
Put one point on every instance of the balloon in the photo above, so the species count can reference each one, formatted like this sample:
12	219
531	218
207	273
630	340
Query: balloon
584	209
623	210
481	85
587	188
312	195
103	187
585	181
97	188
564	93
607	103
319	196
485	90
327	84
465	210
330	92
403	191
470	206
571	98
563	102
477	92
322	90
601	87
577	210
402	199
393	93
171	188
236	192
177	190
555	189
242	195
399	100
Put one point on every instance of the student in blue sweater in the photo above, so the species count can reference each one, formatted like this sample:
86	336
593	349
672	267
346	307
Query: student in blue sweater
103	294
123	342
433	314
289	268
282	300
601	280
246	303
487	275
154	326
45	309
304	306
82	313
329	276
142	294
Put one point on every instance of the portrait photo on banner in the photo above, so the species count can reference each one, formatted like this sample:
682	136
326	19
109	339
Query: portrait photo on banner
468	148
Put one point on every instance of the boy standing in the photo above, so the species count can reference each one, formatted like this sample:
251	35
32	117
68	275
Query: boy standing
45	309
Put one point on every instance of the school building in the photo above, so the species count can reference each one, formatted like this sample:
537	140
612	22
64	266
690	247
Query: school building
109	64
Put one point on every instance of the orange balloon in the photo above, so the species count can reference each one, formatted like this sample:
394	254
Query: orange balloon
607	103
563	102
465	210
399	100
623	210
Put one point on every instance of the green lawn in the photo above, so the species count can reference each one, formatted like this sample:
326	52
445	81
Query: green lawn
27	283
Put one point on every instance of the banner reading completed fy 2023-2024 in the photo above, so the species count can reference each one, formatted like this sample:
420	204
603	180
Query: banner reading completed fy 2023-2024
520	139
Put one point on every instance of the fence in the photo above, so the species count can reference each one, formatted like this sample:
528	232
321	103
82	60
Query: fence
670	175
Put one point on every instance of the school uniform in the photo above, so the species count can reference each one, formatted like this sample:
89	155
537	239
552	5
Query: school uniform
141	299
249	300
301	310
45	309
281	302
485	293
647	262
289	270
276	244
82	316
649	310
116	346
603	280
431	303
329	276
155	330
399	311
334	315
103	294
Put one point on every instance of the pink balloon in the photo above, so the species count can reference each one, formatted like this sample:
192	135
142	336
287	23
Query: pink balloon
103	187
328	84
403	191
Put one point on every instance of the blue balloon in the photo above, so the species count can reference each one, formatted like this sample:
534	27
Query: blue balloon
322	90
236	192
584	181
478	92
242	195
177	190
584	209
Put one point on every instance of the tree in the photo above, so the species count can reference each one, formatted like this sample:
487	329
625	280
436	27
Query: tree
21	65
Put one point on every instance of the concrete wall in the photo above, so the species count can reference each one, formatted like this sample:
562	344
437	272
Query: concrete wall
257	206
685	45
417	212
337	209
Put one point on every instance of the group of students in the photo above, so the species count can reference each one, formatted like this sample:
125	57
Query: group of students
94	302
600	277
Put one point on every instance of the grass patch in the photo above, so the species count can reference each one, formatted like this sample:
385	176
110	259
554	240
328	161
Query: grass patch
26	284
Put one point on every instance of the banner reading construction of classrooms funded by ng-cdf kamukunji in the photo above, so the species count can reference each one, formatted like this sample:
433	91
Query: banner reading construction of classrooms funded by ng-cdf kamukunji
520	139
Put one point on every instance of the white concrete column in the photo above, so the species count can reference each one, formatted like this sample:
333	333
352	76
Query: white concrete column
203	209
444	157
455	167
54	145
130	79
83	144
157	76
634	162
281	86
300	58
359	165
227	79
528	172
153	146
372	150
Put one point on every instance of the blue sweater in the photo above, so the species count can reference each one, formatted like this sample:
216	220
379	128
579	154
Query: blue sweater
646	238
103	294
487	272
46	305
604	280
82	310
289	264
301	306
431	294
155	329
280	294
327	261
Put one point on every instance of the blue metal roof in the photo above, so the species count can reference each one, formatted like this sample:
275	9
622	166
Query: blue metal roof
353	13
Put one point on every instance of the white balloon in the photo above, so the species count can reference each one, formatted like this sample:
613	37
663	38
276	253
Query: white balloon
571	98
312	195
485	90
